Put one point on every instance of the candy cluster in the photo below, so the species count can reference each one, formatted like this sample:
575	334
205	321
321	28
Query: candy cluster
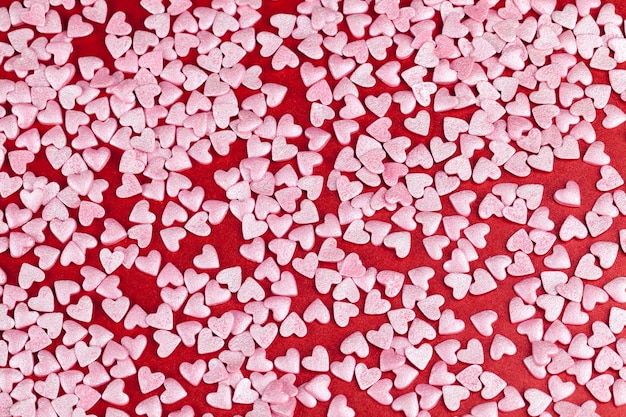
339	208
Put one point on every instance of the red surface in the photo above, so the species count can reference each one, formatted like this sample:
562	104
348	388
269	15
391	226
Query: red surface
227	237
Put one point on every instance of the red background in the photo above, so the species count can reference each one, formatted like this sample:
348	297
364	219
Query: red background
227	237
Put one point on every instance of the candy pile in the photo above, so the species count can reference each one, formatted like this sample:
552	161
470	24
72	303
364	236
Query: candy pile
324	208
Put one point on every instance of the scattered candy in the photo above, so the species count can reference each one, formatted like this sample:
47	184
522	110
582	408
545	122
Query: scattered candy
222	185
